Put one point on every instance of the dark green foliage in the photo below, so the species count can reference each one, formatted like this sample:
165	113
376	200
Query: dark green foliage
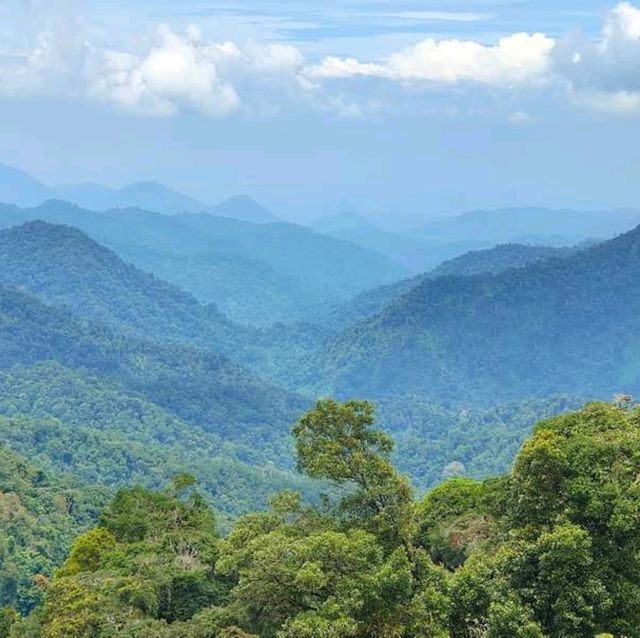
435	441
508	567
63	267
97	430
40	514
200	387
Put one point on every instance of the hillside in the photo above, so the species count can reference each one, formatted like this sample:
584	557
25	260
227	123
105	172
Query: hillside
562	325
91	427
41	512
324	262
202	388
499	258
475	262
64	267
246	290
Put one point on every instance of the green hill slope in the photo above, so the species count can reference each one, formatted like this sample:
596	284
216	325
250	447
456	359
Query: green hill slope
62	266
202	388
476	262
561	325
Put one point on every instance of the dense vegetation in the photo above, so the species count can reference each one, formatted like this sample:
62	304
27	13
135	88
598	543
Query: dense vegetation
548	550
565	325
62	266
40	514
78	422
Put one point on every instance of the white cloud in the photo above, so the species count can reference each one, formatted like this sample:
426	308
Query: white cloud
186	71
179	71
518	59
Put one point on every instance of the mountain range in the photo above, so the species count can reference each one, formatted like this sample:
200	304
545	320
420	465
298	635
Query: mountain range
426	246
255	273
20	189
96	351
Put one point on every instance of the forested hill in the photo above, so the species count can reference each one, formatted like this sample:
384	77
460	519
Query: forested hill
202	388
40	514
293	249
62	266
561	325
475	262
500	258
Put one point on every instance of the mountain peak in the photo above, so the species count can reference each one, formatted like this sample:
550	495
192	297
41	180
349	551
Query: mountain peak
19	188
244	208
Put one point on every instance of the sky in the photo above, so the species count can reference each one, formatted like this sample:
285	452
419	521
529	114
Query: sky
423	107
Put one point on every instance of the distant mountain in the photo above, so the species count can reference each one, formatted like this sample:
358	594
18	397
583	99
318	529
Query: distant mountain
157	197
567	325
19	188
91	196
476	262
243	208
332	266
256	273
414	251
427	246
542	225
148	195
346	222
248	291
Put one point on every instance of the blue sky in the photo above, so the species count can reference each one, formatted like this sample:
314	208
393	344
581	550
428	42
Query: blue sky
424	107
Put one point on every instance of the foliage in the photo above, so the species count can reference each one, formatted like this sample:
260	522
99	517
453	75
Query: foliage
155	567
40	513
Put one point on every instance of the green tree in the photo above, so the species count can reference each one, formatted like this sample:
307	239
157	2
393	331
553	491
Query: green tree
337	441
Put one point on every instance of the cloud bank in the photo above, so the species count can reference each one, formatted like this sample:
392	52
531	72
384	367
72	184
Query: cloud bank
178	71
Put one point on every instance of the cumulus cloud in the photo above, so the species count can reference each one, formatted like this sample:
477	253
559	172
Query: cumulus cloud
604	75
186	71
179	71
518	59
